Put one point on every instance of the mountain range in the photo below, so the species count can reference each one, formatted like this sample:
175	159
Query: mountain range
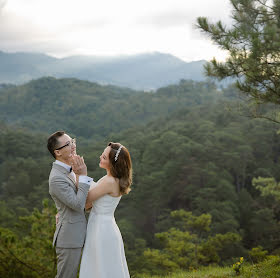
148	71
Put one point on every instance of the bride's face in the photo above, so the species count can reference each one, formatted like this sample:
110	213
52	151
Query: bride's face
104	158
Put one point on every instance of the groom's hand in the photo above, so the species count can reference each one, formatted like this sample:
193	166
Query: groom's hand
78	165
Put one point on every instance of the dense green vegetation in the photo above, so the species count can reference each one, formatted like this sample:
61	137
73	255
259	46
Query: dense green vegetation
195	200
49	104
269	268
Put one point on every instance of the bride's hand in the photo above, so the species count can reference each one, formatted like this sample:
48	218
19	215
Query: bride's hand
78	165
88	206
56	218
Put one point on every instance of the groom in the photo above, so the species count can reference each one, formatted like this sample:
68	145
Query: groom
69	196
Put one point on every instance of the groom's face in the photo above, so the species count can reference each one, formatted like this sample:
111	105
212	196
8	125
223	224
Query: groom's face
66	148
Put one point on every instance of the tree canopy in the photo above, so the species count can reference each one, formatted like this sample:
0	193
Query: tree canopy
253	46
193	193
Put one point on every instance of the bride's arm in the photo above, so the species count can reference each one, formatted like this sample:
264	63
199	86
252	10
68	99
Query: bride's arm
103	187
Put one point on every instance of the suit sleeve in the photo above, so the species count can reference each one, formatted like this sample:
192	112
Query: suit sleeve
61	189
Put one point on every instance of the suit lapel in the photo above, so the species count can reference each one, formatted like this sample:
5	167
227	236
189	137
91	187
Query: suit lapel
67	174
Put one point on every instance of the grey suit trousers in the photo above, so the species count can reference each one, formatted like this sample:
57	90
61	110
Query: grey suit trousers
68	260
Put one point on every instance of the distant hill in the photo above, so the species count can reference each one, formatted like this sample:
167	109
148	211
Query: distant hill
18	68
144	71
91	110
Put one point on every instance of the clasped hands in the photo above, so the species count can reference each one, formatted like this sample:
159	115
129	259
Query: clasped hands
78	165
79	168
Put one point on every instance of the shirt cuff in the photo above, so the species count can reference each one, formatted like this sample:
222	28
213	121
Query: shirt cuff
85	179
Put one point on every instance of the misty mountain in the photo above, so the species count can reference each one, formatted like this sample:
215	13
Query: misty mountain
144	71
17	68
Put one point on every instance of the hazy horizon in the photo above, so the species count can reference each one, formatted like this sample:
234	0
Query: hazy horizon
110	28
99	56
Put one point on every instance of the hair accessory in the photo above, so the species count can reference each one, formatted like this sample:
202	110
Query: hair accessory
118	152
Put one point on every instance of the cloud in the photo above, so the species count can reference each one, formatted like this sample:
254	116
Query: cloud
2	4
167	20
185	14
107	27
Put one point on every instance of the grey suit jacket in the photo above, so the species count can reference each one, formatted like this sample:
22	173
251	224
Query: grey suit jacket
70	202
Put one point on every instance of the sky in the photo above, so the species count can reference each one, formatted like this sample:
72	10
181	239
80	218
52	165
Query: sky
63	28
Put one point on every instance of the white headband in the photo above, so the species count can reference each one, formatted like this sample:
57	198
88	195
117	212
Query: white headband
118	152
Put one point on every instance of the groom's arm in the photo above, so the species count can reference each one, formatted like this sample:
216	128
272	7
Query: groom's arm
60	189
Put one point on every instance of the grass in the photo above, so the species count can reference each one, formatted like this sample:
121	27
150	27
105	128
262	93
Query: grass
209	272
270	268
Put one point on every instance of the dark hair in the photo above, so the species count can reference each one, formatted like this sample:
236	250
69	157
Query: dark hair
53	142
122	167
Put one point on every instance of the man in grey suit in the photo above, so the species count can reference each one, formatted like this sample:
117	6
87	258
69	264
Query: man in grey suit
69	196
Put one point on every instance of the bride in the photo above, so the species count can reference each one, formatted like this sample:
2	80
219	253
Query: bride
103	254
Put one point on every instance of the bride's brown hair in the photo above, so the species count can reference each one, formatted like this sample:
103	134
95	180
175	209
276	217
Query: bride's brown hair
122	167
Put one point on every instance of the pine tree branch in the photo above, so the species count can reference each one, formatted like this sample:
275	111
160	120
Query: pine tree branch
23	263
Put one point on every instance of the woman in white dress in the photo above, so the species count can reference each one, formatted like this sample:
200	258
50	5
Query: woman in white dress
103	254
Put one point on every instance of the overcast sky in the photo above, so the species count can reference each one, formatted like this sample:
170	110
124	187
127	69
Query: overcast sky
110	27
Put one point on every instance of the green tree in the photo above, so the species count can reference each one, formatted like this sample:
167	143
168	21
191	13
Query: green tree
220	246
188	244
253	43
268	187
31	255
7	216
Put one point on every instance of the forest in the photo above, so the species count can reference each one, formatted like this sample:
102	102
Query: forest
205	193
199	166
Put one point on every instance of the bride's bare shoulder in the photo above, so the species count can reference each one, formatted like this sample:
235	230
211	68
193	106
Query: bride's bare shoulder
109	179
112	185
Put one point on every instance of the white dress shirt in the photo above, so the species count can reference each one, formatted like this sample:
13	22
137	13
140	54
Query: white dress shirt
82	179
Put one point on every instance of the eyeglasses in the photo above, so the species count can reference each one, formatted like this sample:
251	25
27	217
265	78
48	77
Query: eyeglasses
72	142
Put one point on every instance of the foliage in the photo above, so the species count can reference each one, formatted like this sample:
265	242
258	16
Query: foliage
193	173
252	43
268	187
31	255
23	170
69	104
257	254
238	266
184	248
7	216
268	268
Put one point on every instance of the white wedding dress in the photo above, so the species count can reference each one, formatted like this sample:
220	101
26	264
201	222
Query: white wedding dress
103	253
